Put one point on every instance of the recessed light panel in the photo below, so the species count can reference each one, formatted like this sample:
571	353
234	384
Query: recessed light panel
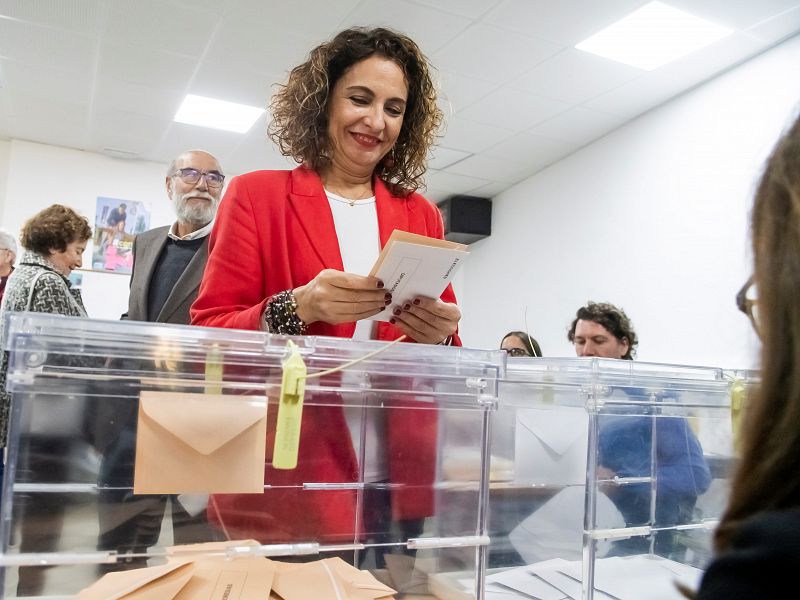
652	36
217	114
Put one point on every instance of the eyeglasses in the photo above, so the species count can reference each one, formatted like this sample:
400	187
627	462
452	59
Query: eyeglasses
517	352
747	302
191	176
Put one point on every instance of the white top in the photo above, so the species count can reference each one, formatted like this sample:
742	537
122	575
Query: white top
202	232
356	223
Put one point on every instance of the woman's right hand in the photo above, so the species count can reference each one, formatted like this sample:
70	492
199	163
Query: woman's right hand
337	297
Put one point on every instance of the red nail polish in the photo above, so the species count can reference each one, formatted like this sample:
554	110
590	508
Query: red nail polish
388	301
416	300
380	284
396	312
387	296
392	321
406	306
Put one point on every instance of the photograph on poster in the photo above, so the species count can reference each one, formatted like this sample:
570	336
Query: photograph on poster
116	223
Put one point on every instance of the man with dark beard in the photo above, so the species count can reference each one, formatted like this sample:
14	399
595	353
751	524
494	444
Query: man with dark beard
168	265
168	262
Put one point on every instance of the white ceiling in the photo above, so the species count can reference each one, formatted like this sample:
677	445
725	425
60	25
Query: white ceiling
109	75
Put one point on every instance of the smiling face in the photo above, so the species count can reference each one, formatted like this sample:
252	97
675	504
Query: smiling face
365	114
592	339
68	259
195	204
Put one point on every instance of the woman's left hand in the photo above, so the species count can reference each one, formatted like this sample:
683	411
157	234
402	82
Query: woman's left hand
426	320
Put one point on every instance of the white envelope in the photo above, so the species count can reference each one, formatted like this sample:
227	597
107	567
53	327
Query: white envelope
550	446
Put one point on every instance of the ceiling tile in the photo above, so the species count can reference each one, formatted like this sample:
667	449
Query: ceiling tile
318	20
574	76
160	25
470	136
457	92
451	183
146	66
114	95
565	22
181	137
441	157
531	149
633	98
245	41
428	27
512	109
126	132
578	125
234	84
492	54
491	168
80	16
57	49
737	14
47	121
46	82
472	9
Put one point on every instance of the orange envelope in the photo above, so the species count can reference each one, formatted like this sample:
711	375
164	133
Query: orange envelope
200	443
328	578
222	579
151	583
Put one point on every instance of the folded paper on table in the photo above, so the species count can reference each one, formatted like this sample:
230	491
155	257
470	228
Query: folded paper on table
550	446
556	529
413	265
327	578
200	443
243	578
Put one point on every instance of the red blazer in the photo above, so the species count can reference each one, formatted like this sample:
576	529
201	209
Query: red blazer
274	231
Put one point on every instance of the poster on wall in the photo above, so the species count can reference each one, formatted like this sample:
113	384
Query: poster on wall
116	223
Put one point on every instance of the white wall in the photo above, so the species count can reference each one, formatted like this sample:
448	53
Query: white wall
39	175
652	217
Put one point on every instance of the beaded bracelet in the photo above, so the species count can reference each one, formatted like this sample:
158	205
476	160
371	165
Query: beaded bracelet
280	316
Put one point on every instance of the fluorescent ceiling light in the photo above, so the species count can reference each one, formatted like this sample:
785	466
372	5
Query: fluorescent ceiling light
217	114
652	36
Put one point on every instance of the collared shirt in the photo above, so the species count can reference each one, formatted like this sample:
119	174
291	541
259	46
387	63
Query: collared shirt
202	232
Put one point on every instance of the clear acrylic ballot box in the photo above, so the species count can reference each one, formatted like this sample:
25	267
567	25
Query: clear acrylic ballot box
607	477
131	444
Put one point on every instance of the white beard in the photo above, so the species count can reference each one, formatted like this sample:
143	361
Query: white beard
198	214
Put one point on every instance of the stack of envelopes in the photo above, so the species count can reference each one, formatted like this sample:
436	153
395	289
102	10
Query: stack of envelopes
194	572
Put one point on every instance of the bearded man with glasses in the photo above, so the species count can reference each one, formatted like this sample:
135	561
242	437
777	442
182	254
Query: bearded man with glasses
168	265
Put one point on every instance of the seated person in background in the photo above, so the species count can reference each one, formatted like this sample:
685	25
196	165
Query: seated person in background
624	445
758	538
520	343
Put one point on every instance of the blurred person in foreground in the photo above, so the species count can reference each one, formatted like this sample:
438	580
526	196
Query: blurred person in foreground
758	539
291	252
54	241
625	440
520	343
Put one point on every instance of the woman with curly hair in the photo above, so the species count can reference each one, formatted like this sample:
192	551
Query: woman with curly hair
54	240
290	253
291	250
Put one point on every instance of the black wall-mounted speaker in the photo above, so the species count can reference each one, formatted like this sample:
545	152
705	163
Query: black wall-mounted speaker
467	219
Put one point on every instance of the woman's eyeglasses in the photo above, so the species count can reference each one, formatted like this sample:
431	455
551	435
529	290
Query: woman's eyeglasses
192	176
517	352
747	302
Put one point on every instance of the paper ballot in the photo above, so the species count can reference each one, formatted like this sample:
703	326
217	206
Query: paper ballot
413	265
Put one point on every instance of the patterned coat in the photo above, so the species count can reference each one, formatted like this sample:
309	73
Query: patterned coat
53	294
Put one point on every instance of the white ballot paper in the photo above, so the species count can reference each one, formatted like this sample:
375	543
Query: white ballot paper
413	265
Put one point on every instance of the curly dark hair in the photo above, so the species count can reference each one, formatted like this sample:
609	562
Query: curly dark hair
53	228
612	318
299	109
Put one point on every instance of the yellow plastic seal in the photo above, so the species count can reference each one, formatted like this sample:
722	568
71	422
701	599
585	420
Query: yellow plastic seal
290	410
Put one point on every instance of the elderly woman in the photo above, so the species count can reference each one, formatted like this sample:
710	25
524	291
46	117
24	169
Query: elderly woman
291	251
54	240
